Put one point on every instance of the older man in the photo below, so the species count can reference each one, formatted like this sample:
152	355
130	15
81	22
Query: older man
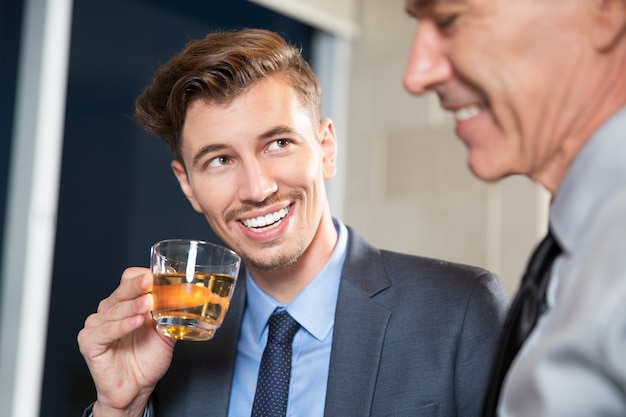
538	88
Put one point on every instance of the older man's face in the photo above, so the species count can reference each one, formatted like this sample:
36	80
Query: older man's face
510	72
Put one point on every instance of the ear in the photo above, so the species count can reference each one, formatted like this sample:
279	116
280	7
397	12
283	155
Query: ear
608	24
185	185
328	140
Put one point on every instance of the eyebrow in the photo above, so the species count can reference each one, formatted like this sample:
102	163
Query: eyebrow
424	4
275	131
418	4
205	150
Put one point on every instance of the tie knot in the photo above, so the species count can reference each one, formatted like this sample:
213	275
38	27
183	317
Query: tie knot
282	328
542	258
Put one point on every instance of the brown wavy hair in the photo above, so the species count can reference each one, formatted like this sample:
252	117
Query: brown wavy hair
217	69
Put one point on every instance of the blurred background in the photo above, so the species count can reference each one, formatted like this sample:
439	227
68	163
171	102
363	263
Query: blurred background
84	192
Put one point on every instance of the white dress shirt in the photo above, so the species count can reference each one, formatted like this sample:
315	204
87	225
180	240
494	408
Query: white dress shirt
574	362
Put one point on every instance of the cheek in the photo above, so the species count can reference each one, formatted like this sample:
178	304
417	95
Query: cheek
213	200
301	172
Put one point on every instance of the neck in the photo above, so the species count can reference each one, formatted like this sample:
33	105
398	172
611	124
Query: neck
608	98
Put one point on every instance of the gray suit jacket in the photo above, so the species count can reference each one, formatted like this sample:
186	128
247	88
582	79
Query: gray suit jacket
412	337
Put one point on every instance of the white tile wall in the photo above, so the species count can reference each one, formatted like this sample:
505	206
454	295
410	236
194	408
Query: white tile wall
407	186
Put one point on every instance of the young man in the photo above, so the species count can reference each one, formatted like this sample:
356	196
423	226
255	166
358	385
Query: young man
380	333
539	89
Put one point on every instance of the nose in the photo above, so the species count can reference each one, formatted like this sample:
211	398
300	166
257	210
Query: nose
427	65
257	182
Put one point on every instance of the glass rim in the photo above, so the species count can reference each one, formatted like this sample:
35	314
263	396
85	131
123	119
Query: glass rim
199	242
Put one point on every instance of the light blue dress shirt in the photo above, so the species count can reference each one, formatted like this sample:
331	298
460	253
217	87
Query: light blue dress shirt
314	309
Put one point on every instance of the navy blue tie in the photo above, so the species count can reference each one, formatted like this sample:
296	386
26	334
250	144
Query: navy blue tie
272	388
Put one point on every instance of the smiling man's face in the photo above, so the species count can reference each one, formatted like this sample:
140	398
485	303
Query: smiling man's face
255	167
498	65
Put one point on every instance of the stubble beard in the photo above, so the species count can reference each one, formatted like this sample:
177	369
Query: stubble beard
276	261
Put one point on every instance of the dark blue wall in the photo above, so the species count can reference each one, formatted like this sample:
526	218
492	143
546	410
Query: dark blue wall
117	193
10	25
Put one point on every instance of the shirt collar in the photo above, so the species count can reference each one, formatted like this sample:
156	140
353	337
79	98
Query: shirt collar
597	170
319	296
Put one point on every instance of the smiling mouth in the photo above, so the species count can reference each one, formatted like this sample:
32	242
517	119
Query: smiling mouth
466	113
269	221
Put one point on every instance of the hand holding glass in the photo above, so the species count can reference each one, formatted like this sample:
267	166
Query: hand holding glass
193	284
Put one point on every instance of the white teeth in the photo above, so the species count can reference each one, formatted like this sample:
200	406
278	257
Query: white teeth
261	223
466	113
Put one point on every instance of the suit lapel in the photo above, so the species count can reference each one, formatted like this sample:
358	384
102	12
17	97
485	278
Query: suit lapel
359	332
358	336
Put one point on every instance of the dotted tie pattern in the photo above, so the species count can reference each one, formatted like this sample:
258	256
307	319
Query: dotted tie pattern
272	389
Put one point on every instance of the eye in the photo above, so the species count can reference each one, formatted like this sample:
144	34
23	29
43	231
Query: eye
279	144
219	161
444	22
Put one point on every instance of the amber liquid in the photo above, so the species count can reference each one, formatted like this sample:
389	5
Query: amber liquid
190	310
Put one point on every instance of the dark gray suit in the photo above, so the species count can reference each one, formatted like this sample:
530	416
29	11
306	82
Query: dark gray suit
413	337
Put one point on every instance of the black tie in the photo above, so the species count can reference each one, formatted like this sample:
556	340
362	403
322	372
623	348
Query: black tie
528	305
272	388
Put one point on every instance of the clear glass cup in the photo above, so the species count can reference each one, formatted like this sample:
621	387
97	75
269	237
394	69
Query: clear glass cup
193	283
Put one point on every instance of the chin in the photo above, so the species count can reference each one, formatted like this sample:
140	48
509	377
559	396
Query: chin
487	172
